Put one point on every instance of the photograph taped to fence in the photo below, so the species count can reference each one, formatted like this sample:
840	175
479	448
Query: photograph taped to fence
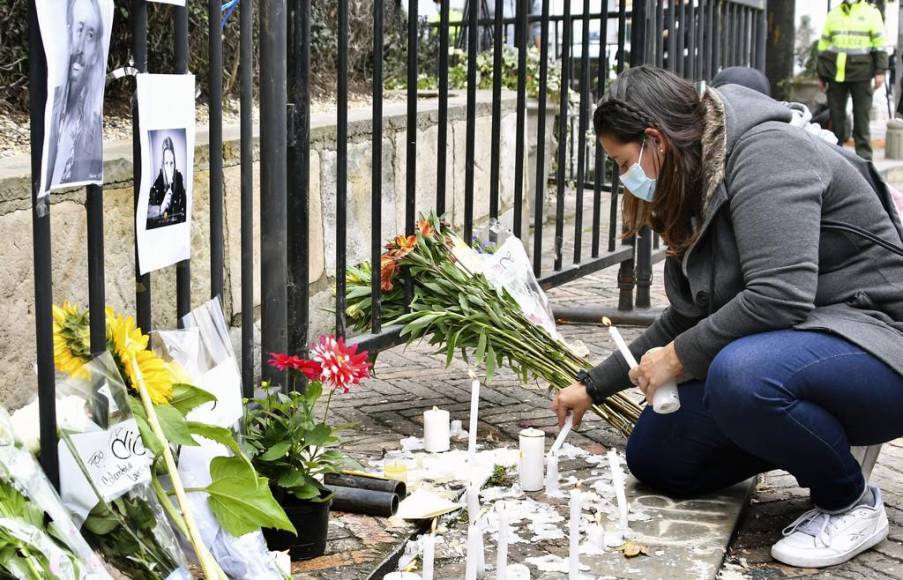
76	37
166	122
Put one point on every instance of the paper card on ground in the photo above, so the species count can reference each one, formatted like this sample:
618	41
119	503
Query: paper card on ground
224	382
116	460
166	128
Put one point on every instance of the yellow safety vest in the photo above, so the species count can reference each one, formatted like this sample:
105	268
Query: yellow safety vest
853	30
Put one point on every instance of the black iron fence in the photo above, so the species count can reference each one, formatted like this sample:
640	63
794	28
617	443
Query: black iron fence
694	38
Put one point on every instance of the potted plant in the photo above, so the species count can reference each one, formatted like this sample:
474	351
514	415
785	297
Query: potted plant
290	441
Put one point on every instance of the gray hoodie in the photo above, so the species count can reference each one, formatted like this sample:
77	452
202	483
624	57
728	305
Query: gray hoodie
764	259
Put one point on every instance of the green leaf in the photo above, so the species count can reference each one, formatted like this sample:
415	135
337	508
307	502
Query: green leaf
185	398
241	501
291	479
276	451
220	435
151	442
312	392
319	435
174	425
490	363
481	348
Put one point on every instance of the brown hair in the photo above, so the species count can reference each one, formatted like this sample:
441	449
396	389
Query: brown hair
647	97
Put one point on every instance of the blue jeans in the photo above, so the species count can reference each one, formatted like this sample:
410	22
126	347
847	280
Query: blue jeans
792	400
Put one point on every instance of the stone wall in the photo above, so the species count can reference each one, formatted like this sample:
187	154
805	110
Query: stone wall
68	220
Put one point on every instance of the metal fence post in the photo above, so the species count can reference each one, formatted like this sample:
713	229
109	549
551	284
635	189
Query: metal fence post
273	208
246	16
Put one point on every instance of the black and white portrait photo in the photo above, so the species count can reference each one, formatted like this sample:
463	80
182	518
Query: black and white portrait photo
167	199
166	118
76	36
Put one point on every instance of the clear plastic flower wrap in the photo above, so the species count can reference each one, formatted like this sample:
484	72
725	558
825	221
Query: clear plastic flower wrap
105	475
38	538
204	351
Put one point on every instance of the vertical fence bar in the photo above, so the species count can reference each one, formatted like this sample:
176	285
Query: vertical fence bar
622	35
672	36
43	273
299	174
139	41
246	73
643	243
376	184
563	134
217	242
744	36
681	37
495	143
730	32
761	39
599	178
470	137
717	28
96	293
709	40
582	128
522	36
691	41
273	218
540	195
341	188
183	268
410	199
442	147
700	40
659	33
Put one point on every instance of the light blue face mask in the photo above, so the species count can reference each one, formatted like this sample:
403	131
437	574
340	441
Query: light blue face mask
637	182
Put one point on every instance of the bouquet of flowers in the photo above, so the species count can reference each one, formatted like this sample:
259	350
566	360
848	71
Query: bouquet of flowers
458	305
38	539
238	497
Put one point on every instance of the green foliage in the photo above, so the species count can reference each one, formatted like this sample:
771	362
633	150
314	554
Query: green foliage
27	558
289	444
501	477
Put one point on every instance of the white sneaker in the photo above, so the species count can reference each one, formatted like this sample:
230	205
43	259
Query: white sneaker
818	539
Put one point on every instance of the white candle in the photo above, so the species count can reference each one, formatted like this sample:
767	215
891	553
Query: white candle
474	410
436	430
552	474
532	454
576	510
568	425
665	400
475	566
595	535
617	480
622	346
501	563
429	551
473	502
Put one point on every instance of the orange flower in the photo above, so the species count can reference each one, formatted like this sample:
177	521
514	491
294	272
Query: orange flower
425	227
387	270
401	246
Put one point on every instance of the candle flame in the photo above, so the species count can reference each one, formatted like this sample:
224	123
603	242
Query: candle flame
606	321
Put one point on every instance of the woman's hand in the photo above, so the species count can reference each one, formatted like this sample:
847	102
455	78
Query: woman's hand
656	369
574	398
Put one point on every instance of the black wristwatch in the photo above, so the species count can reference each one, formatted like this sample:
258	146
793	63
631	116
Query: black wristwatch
585	378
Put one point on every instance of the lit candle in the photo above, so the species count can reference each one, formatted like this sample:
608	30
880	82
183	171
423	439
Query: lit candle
552	474
501	563
617	480
429	551
576	510
474	410
436	430
532	454
619	340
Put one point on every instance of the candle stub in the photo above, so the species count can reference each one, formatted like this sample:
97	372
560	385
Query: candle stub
532	455
552	487
574	534
665	400
436	437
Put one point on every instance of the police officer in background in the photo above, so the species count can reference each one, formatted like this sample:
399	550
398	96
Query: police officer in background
852	62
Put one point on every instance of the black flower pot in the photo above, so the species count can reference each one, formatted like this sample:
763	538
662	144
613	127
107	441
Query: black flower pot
311	520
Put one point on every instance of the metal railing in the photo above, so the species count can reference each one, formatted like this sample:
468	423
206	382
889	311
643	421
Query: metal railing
710	34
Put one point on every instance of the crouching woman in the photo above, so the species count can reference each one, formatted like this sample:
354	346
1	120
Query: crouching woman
785	326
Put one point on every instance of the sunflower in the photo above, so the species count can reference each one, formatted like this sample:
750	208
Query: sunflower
71	339
126	342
